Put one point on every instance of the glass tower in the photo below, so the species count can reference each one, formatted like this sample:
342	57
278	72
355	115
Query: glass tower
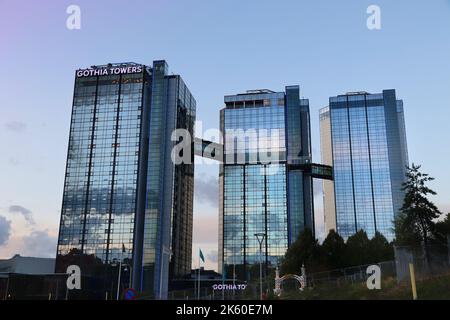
124	200
263	187
363	137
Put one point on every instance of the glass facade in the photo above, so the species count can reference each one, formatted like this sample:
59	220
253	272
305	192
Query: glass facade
254	192
112	209
369	158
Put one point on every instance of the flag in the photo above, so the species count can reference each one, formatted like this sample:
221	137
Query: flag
201	255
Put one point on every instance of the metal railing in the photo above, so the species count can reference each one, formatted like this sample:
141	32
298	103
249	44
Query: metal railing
354	274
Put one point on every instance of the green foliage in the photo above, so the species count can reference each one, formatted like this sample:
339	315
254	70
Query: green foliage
306	250
437	288
404	234
415	223
380	249
335	253
357	250
443	227
334	250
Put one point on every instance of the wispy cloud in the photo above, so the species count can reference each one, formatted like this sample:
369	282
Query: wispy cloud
212	256
205	229
26	213
14	161
5	230
16	126
207	190
444	208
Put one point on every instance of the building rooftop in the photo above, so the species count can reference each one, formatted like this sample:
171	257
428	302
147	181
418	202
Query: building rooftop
116	64
257	91
354	93
27	265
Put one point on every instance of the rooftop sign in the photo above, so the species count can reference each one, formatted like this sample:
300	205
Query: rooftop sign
109	71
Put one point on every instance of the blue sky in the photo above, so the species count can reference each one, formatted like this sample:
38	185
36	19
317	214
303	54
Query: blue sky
219	48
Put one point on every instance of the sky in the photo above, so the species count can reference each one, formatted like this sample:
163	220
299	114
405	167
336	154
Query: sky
219	48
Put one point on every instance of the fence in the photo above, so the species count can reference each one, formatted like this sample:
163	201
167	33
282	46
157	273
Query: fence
14	286
350	275
428	261
32	287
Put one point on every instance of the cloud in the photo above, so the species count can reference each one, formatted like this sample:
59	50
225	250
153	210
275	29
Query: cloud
207	190
14	161
26	213
39	244
212	256
16	126
445	208
5	230
206	228
210	253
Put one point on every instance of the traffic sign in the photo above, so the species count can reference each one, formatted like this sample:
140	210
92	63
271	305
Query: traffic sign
130	294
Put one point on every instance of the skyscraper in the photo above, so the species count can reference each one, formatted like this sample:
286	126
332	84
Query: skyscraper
265	185
363	137
124	199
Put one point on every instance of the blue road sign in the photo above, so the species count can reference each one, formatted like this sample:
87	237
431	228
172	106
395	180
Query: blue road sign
130	294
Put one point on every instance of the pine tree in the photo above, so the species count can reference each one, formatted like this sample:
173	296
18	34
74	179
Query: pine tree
417	215
357	252
304	251
380	249
333	248
443	228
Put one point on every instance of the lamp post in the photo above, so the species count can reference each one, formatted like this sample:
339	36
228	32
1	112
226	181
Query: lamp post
119	279
168	252
234	276
260	237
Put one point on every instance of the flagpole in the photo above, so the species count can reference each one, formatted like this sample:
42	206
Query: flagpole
198	292
120	273
223	281
234	278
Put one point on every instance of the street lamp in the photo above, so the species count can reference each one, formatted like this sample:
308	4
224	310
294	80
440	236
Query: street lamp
168	252
260	237
119	278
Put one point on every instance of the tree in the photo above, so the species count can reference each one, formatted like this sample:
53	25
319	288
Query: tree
443	228
404	235
415	221
305	250
357	252
380	249
333	248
